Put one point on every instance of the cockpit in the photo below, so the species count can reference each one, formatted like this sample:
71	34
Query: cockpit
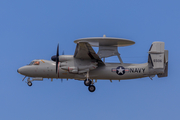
34	63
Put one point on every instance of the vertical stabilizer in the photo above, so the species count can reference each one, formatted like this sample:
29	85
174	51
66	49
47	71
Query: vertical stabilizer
156	55
158	59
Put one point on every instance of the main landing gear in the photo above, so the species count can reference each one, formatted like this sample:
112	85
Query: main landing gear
91	88
88	82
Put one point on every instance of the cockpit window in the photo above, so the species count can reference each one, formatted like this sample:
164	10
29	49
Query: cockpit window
34	63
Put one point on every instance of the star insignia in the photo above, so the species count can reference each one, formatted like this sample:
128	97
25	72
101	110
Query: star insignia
120	70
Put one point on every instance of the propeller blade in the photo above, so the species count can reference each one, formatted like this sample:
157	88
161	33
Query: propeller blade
57	58
57	50
63	52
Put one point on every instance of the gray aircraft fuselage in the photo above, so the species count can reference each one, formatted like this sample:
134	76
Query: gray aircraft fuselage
110	71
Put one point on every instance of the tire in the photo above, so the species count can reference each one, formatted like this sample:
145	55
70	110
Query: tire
87	82
91	88
29	83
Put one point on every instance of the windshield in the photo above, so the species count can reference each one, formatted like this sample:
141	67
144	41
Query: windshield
31	63
34	63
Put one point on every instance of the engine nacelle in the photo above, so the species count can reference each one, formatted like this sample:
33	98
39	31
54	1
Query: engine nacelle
80	69
63	58
70	69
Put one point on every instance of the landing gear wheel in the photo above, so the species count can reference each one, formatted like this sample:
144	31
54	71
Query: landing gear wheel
29	83
87	82
91	88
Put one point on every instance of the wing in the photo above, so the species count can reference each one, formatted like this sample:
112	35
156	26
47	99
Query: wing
85	51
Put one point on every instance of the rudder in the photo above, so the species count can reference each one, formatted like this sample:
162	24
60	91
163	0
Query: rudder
165	74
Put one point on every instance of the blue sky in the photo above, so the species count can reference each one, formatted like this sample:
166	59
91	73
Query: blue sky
32	29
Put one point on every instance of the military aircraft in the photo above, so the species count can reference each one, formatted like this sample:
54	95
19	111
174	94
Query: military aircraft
88	66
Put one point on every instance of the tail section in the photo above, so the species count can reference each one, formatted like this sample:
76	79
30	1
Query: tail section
165	74
158	59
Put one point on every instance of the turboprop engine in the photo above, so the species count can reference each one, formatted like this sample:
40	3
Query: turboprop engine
73	65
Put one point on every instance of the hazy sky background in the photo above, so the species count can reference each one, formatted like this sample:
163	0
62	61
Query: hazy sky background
32	29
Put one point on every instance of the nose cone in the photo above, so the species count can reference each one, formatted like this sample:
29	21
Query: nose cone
22	70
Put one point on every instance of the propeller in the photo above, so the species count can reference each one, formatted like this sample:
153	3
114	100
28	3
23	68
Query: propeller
55	58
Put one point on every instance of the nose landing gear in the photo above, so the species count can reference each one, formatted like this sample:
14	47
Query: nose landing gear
29	83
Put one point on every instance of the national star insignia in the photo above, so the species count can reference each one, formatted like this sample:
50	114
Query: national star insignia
120	70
